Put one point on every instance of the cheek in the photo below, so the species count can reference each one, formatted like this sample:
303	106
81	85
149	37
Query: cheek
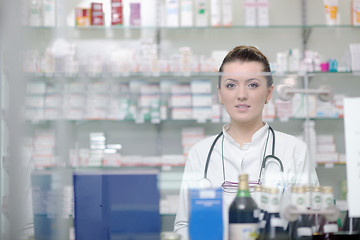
260	98
227	96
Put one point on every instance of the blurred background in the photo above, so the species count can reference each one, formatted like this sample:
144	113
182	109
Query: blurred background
99	95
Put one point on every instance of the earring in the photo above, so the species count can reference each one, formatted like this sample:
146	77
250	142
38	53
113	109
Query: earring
266	101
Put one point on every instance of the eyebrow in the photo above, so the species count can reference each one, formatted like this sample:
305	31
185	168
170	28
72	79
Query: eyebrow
235	80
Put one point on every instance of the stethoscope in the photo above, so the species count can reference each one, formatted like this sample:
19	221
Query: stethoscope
205	181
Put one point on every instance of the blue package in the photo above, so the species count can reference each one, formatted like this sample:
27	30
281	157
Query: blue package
111	205
206	214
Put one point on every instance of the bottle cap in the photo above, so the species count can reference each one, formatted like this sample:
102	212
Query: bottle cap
273	190
293	188
243	182
243	177
327	189
316	189
297	189
258	188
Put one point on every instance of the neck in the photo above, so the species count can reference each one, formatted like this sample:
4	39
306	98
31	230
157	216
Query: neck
243	132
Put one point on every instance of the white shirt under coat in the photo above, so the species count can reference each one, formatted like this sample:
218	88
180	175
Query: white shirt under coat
298	168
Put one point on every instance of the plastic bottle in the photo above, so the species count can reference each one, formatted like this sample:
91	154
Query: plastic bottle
301	228
275	227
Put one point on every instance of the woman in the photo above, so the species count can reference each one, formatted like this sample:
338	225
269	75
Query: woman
244	88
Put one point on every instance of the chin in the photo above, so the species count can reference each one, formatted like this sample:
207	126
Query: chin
244	119
241	120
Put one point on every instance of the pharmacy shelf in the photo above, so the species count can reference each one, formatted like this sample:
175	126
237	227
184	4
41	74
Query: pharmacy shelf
121	28
162	168
150	76
199	122
330	164
81	122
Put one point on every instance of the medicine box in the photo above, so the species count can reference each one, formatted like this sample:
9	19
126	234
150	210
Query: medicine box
205	216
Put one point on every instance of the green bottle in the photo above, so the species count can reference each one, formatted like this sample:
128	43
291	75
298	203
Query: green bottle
243	213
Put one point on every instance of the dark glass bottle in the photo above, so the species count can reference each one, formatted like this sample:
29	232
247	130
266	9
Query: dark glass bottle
275	227
243	213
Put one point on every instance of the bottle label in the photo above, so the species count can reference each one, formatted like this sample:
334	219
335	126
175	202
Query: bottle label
277	222
256	213
331	228
261	216
304	231
243	231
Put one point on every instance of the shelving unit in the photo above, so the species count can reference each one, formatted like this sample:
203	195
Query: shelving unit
303	30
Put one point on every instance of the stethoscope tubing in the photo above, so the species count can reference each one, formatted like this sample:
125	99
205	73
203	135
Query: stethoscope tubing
263	164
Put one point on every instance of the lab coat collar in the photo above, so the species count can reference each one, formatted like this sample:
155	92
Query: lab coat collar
256	138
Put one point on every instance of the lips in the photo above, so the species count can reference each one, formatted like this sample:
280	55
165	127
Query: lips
242	106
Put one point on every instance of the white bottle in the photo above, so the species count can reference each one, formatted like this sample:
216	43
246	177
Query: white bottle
227	16
186	13
201	19
215	13
172	13
263	13
355	12
293	60
250	12
49	11
149	13
35	13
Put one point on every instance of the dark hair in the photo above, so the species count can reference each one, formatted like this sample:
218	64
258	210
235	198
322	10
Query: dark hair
247	54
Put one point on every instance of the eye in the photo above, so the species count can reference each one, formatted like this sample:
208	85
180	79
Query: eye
253	85
230	85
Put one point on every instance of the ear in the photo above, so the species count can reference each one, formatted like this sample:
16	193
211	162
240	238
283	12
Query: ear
219	94
269	93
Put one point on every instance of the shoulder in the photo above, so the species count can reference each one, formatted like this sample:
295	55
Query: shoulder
201	149
204	143
285	138
197	155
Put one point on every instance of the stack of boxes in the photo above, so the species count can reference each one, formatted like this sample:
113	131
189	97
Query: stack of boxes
326	149
190	136
43	150
201	100
193	101
180	101
97	146
149	102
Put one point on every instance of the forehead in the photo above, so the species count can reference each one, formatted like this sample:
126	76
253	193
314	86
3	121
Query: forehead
238	66
243	69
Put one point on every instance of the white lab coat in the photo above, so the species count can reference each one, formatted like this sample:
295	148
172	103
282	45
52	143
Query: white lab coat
298	168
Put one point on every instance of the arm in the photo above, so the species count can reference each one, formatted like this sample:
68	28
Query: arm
192	174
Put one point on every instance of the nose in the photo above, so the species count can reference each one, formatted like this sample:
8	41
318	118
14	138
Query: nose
242	93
